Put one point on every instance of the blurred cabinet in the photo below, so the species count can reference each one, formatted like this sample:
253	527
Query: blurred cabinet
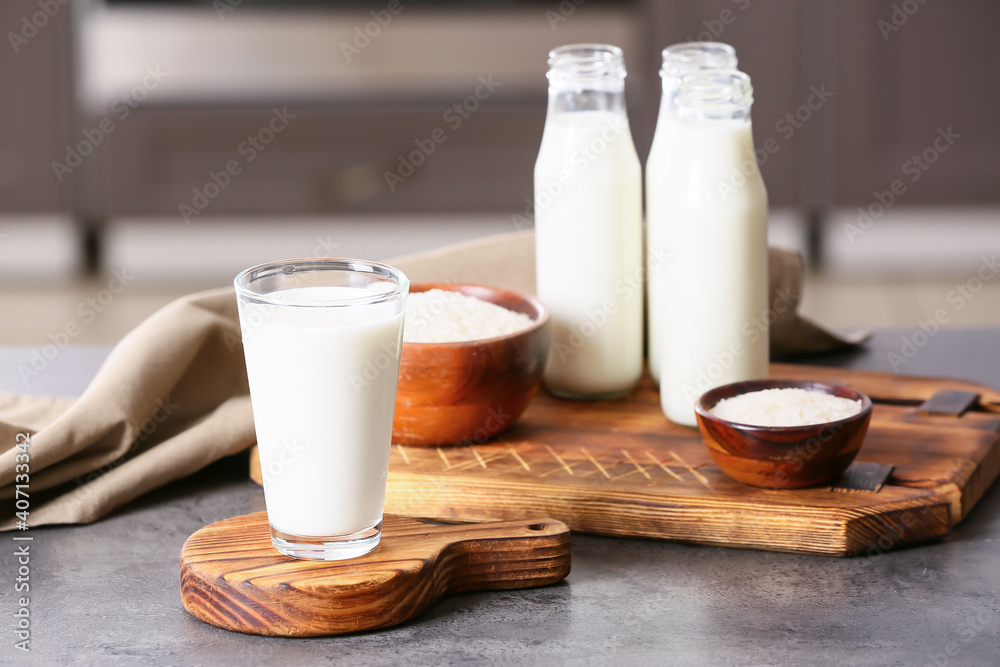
846	94
385	160
919	99
35	105
767	36
855	93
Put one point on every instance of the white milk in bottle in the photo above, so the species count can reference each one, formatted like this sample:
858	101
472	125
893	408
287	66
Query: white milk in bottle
715	238
679	60
588	225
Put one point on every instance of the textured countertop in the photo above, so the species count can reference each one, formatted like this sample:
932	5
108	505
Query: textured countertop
108	593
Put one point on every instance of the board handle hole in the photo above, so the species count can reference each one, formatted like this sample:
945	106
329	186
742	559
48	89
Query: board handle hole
537	526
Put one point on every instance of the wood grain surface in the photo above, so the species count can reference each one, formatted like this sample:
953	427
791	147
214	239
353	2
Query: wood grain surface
620	468
233	578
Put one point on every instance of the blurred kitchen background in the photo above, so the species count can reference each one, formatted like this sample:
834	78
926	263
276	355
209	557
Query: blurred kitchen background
118	119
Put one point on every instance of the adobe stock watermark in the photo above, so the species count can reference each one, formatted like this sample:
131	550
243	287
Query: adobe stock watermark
254	315
288	452
223	7
786	126
87	311
324	247
496	420
751	331
387	357
417	320
629	287
800	456
47	10
364	34
914	168
971	627
120	108
22	551
957	298
715	27
422	318
234	505
566	9
895	529
898	17
248	149
580	160
163	409
454	116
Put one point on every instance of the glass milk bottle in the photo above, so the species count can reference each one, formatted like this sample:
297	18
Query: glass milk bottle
679	60
715	239
588	226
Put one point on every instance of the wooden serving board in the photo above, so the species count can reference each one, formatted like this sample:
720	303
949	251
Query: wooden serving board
233	578
620	468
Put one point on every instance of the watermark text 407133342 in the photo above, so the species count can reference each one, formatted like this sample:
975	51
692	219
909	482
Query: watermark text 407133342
22	542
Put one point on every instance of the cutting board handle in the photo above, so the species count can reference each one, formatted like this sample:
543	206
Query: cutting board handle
504	554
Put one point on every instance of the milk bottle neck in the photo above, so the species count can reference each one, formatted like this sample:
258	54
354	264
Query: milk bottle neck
577	100
586	77
715	96
680	60
668	102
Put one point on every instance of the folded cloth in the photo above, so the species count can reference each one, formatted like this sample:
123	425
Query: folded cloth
172	397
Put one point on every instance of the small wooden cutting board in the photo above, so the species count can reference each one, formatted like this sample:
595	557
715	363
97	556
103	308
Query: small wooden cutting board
232	577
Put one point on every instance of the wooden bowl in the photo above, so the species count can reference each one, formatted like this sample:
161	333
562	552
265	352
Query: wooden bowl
783	457
469	392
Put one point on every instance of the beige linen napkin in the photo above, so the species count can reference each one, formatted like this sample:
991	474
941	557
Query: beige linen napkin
172	397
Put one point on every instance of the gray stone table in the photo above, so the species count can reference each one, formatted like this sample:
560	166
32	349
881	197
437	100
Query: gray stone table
107	593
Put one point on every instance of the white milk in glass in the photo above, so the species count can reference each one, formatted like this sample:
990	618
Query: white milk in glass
323	415
715	279
679	60
588	226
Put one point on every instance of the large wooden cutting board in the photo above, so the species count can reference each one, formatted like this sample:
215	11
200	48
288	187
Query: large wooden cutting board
620	468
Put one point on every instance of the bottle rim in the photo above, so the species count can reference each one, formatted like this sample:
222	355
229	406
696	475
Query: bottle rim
685	58
586	62
717	92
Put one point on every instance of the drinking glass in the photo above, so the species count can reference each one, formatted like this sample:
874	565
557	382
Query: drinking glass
322	339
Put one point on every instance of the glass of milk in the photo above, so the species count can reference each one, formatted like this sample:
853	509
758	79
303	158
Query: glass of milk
588	226
679	60
322	340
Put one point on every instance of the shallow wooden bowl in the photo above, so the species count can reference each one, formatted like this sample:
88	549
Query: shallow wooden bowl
467	393
783	457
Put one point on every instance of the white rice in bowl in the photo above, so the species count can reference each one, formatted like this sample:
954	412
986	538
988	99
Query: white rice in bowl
443	316
785	407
